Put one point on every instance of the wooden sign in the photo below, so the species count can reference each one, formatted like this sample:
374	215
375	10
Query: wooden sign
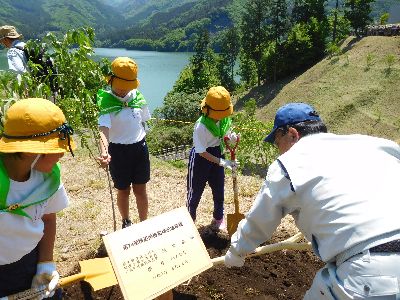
154	256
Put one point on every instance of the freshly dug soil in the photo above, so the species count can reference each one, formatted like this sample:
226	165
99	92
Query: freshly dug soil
280	275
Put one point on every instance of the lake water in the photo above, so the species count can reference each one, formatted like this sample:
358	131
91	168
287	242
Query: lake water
158	71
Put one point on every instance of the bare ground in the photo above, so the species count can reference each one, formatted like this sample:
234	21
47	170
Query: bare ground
280	275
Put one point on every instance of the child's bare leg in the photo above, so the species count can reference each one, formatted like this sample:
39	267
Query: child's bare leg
142	202
123	202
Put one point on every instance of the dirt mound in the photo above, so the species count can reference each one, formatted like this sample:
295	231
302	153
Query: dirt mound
280	275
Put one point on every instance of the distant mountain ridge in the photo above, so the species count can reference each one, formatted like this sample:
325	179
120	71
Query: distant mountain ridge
116	21
36	17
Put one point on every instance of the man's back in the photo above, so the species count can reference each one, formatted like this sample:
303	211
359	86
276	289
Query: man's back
345	189
16	58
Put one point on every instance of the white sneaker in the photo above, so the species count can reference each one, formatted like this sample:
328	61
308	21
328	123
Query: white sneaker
218	225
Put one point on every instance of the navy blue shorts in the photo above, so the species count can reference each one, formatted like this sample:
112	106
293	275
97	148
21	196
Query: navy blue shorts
129	164
17	276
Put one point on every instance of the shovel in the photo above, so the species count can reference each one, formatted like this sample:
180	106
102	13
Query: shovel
98	272
233	219
290	244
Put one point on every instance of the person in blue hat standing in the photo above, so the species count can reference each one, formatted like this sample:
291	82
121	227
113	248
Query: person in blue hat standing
349	214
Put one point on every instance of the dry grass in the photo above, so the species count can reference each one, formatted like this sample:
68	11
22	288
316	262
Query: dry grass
90	209
355	92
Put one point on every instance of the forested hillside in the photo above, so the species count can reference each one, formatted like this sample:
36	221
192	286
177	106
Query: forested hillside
168	25
36	17
138	10
176	28
172	25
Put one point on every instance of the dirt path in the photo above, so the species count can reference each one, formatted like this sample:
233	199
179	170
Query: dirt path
281	275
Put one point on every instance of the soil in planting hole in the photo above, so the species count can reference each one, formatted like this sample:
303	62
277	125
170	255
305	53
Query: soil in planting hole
280	275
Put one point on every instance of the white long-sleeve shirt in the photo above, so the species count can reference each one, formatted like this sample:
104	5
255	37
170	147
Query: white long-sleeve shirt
16	58
342	190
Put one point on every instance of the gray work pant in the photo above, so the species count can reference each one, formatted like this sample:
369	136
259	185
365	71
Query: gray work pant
374	276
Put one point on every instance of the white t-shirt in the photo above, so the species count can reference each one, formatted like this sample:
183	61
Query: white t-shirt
203	138
19	235
126	126
16	58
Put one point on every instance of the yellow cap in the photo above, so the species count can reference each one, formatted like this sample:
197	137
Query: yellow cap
124	74
217	103
36	125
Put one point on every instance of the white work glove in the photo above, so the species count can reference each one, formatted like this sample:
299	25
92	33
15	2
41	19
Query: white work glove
233	260
46	276
228	164
232	138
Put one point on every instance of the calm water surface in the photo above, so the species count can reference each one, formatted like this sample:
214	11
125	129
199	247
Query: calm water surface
158	71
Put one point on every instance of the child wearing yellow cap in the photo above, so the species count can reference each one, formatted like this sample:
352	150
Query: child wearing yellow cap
123	113
34	138
206	160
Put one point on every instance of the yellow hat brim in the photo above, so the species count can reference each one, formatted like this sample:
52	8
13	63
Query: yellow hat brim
216	115
122	84
42	145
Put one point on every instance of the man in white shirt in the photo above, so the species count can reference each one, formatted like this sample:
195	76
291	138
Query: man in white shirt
342	191
10	39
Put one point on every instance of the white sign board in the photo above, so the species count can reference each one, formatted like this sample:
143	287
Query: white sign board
154	256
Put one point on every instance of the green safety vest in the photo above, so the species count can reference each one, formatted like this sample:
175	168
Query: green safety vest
42	192
219	130
108	103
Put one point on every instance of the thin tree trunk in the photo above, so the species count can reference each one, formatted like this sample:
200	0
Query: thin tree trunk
335	21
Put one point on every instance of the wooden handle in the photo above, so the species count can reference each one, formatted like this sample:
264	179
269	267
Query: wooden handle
235	192
33	292
28	294
290	243
70	279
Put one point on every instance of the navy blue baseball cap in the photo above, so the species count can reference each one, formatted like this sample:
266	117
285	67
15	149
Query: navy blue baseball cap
290	114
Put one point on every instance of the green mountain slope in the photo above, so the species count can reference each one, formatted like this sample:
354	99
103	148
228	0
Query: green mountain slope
118	3
170	22
35	17
356	92
174	27
140	9
168	25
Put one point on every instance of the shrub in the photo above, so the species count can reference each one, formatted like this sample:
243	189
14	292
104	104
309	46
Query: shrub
79	78
174	121
253	153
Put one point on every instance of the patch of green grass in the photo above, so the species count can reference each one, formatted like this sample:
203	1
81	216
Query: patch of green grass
180	164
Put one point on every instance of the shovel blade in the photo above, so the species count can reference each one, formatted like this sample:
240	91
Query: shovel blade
233	221
98	273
